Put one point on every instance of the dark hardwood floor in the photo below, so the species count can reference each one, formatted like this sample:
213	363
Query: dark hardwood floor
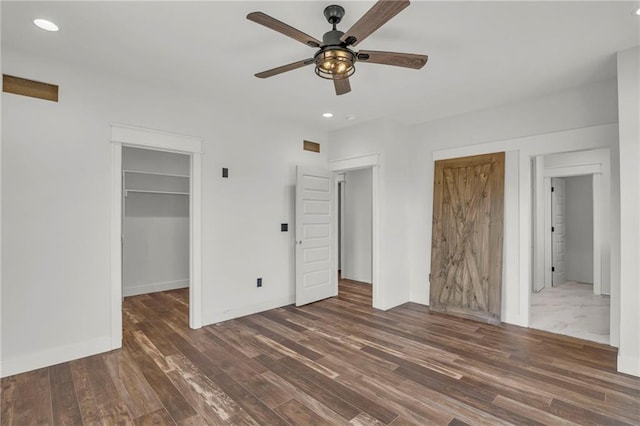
337	361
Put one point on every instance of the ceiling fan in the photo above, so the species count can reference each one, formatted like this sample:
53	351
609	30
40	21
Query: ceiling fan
335	58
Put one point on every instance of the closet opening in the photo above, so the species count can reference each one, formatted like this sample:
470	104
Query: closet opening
355	229
155	234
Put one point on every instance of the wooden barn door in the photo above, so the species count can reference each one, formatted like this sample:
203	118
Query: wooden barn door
466	254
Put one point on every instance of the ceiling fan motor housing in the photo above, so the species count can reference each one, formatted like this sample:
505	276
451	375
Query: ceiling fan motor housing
332	38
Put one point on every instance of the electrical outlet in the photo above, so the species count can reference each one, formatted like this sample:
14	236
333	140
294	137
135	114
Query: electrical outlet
259	282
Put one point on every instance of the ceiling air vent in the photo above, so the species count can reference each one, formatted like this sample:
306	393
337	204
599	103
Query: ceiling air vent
33	89
311	146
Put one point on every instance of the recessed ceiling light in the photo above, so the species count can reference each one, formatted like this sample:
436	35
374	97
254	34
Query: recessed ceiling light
638	11
327	115
45	25
351	117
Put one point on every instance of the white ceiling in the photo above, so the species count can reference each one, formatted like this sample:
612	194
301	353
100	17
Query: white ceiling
481	54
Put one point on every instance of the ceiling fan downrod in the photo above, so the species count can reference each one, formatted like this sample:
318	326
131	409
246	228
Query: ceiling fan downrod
334	14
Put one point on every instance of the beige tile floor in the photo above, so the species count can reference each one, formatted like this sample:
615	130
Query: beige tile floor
573	310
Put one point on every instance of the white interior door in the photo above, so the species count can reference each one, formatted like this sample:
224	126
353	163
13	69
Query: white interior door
315	275
558	235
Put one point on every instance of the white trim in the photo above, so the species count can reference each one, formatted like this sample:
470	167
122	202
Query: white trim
539	211
116	245
335	211
154	287
629	365
573	170
362	162
195	254
548	278
55	355
339	188
520	269
597	233
157	140
227	314
353	163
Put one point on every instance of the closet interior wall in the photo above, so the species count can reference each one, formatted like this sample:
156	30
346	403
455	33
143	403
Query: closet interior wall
155	223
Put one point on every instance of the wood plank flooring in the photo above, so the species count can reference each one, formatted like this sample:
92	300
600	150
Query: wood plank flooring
337	361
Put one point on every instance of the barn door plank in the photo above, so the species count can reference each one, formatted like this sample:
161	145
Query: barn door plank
466	261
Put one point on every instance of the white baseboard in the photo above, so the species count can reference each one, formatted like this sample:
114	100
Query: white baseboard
385	304
154	287
227	314
629	365
357	279
421	299
53	356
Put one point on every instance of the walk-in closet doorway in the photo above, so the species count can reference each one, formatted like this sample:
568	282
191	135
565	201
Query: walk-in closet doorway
150	186
155	221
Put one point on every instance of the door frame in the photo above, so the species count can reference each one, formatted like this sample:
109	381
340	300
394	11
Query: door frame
339	178
595	172
138	137
343	165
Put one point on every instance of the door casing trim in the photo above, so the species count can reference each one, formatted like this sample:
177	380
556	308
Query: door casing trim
127	135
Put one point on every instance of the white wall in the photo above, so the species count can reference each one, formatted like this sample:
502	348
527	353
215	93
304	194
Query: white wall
565	121
56	200
579	228
385	138
629	123
356	229
155	226
575	119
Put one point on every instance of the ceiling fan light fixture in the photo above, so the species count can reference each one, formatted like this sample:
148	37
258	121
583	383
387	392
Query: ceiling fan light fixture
335	60
335	63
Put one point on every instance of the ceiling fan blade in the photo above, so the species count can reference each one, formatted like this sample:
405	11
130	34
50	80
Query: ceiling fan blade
282	28
407	60
284	68
377	16
342	86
